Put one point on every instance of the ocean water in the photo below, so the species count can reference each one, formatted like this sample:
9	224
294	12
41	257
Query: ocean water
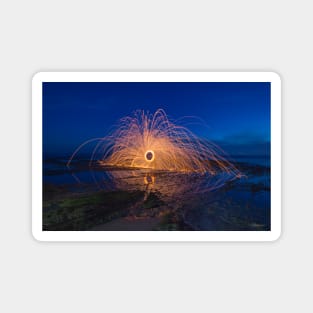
90	198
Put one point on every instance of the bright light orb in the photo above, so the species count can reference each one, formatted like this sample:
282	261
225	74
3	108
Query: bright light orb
149	155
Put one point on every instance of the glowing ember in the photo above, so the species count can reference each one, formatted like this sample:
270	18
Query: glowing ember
152	141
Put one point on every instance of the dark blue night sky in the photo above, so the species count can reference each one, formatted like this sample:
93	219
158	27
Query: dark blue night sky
234	115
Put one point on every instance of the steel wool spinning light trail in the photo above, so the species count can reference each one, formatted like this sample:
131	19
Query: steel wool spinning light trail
152	141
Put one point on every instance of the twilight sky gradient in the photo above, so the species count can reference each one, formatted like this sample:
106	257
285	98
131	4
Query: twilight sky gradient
234	115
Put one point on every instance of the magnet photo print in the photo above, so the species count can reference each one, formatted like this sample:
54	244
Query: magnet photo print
156	156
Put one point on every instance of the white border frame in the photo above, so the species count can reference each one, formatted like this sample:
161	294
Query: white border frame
271	77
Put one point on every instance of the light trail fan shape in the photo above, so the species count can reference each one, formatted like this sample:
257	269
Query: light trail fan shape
152	141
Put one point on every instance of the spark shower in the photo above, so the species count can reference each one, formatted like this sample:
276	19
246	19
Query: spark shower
152	141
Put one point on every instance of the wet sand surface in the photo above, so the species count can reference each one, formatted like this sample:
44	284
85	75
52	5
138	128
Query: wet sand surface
115	199
129	224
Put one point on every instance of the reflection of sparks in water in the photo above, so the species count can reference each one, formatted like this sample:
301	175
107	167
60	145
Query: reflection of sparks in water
149	179
170	186
153	142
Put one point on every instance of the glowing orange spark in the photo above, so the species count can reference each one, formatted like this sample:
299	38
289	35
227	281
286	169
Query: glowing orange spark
152	141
